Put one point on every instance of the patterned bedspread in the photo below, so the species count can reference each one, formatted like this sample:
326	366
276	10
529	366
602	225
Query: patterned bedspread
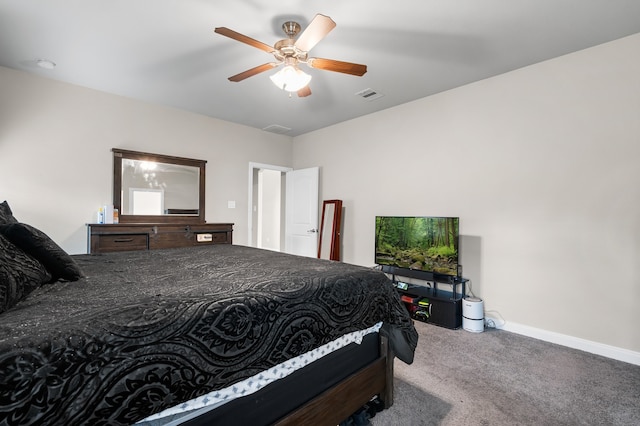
143	331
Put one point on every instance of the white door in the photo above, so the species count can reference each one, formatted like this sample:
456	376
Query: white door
269	219
255	213
301	224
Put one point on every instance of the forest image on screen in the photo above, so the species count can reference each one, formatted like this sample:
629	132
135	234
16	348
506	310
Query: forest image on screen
419	243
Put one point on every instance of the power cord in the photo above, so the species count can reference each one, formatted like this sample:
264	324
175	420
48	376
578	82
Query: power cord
469	290
494	323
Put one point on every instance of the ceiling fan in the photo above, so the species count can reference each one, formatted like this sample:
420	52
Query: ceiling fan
291	52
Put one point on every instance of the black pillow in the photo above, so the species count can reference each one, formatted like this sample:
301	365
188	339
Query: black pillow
6	215
20	274
38	244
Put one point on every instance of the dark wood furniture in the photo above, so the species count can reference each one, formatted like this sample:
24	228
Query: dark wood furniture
345	398
330	229
104	238
122	176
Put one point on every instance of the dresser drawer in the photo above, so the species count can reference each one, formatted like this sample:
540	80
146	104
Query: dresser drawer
104	238
221	237
122	242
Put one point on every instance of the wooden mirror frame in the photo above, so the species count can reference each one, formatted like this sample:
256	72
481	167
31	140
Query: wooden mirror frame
330	226
120	154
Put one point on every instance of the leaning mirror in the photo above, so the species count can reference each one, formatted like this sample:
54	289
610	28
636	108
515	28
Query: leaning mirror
329	245
154	188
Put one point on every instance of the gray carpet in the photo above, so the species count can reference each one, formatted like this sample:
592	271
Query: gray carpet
501	378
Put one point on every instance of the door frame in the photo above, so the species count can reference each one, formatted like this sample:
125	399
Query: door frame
257	166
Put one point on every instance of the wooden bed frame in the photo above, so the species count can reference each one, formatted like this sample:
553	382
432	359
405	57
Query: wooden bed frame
338	403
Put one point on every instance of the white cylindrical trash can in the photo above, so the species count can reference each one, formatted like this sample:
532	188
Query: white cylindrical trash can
473	314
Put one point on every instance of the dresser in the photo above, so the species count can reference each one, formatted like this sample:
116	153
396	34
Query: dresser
105	238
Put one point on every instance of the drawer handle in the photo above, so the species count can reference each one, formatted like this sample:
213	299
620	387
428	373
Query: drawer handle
123	240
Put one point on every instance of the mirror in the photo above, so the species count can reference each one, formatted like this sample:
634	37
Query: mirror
330	228
154	188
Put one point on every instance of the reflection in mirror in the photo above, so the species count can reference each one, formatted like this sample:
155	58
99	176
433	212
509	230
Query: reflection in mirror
329	245
153	188
327	231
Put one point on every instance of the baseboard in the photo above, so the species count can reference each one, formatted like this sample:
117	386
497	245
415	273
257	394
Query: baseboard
608	351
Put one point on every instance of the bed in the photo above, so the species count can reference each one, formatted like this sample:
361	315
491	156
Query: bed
112	339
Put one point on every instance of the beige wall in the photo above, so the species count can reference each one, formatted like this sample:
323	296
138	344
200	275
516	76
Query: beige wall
56	159
542	165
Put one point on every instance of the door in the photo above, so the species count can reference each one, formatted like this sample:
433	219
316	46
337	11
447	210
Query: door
269	200
258	217
301	223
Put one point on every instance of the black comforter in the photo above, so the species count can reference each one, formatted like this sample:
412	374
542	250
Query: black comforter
143	331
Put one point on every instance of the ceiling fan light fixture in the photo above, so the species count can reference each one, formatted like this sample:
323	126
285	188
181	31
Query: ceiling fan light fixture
292	51
291	78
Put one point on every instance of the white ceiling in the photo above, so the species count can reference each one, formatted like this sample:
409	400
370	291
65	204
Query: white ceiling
165	51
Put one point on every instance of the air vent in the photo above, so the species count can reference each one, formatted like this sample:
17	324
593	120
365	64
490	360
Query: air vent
369	94
275	128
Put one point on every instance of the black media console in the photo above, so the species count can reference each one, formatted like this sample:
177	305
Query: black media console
426	302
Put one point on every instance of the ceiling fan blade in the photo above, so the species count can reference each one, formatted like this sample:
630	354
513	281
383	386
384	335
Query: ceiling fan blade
319	27
253	71
304	92
337	66
244	39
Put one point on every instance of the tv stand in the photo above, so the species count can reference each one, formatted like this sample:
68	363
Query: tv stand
426	302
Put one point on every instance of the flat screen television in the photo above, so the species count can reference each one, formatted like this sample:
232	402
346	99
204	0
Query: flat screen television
418	243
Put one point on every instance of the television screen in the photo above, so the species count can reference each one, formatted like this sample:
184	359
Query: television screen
420	243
